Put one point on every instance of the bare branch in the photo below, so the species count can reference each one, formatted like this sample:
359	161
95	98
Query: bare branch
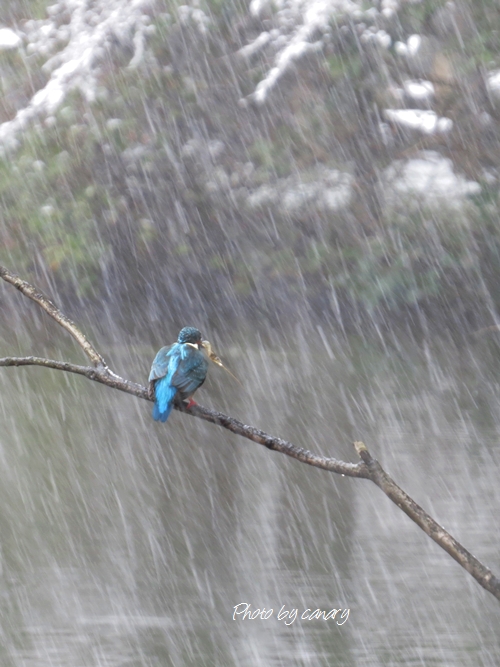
43	301
277	444
378	476
367	468
47	363
102	375
108	378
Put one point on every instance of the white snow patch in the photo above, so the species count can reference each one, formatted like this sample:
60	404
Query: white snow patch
294	198
410	48
493	83
92	29
293	52
9	39
420	120
215	148
114	123
383	38
432	177
389	8
263	196
379	37
194	15
47	210
257	45
331	190
257	7
419	90
334	199
300	22
413	44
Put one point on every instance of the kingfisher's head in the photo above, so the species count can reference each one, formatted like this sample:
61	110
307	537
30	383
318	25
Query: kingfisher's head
189	335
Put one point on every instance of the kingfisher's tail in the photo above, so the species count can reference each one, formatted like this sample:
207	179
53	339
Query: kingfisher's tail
164	400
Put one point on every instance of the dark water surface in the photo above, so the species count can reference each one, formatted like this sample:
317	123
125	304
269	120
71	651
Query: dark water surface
127	543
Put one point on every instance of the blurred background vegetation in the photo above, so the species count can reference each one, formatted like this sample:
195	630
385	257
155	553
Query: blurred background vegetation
157	200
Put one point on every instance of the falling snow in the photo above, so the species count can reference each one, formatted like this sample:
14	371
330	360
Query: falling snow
314	184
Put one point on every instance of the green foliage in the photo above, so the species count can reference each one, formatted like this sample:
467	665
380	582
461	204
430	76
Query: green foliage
277	155
411	258
105	183
262	153
414	257
271	157
44	194
342	65
482	47
29	9
413	16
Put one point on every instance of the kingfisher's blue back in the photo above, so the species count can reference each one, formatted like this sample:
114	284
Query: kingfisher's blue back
177	372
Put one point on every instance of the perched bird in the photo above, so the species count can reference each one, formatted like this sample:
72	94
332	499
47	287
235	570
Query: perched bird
177	372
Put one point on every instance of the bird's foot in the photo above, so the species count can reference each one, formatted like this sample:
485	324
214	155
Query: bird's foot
191	403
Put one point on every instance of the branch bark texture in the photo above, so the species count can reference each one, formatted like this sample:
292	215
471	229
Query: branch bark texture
378	476
52	310
367	468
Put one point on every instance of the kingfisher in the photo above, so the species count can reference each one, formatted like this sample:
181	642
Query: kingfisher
177	372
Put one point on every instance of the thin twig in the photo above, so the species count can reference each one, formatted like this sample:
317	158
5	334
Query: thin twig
52	310
103	375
